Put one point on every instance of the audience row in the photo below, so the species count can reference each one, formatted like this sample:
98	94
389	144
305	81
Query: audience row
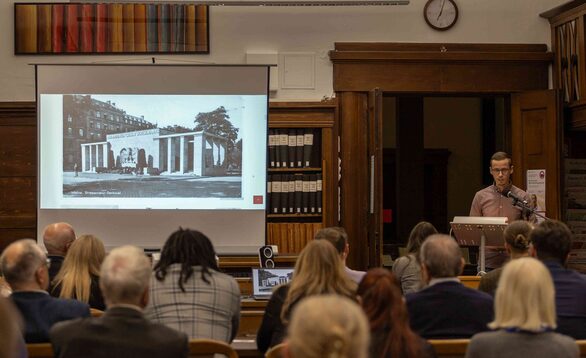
326	310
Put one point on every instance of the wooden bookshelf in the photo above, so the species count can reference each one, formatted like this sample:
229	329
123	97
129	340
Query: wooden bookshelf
292	230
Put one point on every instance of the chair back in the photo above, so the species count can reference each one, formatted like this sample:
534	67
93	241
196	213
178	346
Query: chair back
39	350
276	351
96	312
449	348
207	347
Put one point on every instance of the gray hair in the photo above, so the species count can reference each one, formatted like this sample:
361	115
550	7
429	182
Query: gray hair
20	260
125	274
441	256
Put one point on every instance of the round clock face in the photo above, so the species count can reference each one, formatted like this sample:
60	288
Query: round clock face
440	14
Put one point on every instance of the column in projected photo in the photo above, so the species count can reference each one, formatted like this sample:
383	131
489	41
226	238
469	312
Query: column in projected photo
197	153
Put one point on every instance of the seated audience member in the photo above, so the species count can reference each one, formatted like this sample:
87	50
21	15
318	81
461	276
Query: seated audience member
123	331
25	267
57	239
327	326
516	244
11	342
189	294
339	238
524	317
318	271
445	308
390	334
79	277
551	242
406	268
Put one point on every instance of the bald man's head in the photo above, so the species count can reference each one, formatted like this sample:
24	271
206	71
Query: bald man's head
24	266
57	238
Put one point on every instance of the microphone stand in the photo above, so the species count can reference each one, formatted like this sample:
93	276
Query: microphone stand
526	208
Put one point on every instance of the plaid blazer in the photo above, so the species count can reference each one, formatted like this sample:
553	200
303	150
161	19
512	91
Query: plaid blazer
204	310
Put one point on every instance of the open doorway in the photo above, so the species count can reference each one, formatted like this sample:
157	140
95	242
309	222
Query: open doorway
435	158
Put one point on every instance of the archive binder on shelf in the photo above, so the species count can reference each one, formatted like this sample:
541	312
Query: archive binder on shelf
292	148
283	148
318	187
291	196
298	192
272	142
276	193
307	147
305	195
312	194
299	148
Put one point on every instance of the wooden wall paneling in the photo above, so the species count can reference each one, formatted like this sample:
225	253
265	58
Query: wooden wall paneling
354	182
18	185
538	138
445	68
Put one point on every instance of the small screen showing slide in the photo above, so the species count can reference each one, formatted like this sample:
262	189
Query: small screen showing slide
134	152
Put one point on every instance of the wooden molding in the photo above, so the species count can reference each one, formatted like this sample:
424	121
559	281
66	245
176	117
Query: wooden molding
440	68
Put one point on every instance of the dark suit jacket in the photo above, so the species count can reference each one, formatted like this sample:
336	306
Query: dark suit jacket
570	300
121	332
449	310
41	311
56	262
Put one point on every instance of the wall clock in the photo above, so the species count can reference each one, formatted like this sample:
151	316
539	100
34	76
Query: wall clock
440	14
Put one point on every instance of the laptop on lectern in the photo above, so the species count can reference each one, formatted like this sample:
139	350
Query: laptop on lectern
265	280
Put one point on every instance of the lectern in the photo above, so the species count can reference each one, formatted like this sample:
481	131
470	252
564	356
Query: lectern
479	231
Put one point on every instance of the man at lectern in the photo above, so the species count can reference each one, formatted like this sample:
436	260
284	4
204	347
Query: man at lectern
497	200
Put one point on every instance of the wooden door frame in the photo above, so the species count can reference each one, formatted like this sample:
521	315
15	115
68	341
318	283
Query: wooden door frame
418	68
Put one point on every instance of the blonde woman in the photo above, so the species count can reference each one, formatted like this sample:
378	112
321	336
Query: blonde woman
79	277
328	326
524	317
318	271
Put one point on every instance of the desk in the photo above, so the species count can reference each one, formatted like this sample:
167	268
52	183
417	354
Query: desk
246	347
251	313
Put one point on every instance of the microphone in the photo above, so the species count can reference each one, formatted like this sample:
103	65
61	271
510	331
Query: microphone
510	194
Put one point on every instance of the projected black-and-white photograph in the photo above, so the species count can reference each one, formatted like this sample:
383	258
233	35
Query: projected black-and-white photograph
151	146
269	278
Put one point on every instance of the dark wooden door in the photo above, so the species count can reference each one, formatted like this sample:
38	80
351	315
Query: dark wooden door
536	129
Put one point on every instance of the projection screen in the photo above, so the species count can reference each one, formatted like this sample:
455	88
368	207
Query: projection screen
130	153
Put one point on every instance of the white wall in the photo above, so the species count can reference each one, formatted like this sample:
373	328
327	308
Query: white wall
237	30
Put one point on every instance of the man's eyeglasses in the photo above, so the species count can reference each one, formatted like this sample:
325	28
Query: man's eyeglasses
500	171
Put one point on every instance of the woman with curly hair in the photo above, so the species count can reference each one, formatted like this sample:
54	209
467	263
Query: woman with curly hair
189	293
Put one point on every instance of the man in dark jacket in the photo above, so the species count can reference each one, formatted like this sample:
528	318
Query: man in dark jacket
551	242
25	267
123	331
445	308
